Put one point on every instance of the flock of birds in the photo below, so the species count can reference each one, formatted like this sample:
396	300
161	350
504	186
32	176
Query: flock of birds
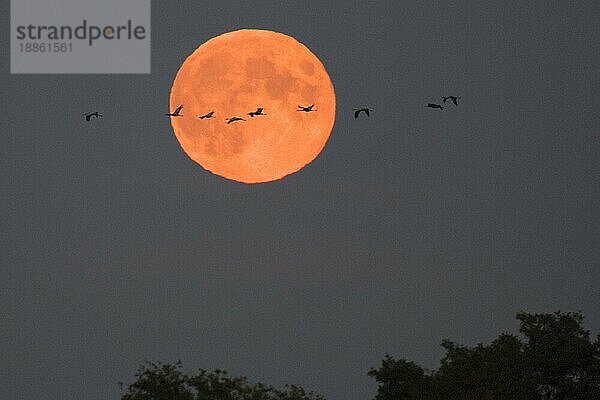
252	114
260	111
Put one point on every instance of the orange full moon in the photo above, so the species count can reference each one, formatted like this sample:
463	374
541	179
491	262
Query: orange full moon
236	73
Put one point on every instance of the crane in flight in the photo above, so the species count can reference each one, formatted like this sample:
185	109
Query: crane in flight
453	98
233	119
176	112
207	115
259	111
88	116
306	109
357	111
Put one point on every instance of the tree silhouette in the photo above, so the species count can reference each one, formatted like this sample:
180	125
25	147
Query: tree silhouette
401	379
158	381
553	360
562	362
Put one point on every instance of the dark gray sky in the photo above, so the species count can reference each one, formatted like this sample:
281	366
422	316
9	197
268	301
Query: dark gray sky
411	226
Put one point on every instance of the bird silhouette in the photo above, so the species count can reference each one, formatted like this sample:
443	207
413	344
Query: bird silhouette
176	112
207	115
453	98
233	119
431	105
357	111
88	116
259	111
306	109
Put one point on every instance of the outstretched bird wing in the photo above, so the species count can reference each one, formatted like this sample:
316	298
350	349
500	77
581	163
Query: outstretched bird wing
454	101
178	109
356	112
